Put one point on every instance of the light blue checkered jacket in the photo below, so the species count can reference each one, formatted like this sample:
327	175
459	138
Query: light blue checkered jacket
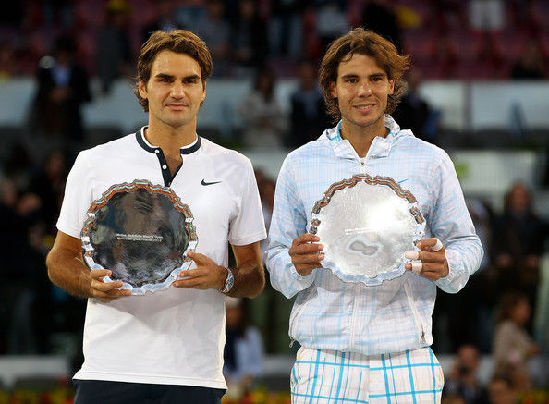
397	315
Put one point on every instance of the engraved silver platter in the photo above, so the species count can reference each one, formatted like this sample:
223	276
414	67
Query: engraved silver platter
365	225
142	233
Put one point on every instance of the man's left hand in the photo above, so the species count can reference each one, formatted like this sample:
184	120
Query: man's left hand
432	262
206	275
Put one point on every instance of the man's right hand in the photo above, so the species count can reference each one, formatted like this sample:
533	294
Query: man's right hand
306	253
106	291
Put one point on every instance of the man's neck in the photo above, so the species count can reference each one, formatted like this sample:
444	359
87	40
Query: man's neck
361	138
169	139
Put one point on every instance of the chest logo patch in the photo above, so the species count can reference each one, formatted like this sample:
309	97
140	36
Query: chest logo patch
208	183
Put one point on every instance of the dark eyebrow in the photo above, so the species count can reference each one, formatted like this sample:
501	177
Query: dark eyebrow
192	77
164	76
349	76
376	75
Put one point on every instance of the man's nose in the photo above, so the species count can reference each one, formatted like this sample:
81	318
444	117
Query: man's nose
177	90
364	88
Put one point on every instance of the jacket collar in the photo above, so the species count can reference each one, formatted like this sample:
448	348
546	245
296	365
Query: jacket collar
381	147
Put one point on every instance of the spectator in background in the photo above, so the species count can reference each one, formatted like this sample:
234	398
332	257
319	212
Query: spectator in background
63	86
7	67
264	122
266	191
165	21
519	235
249	38
18	165
415	113
379	16
487	15
513	347
215	31
243	350
17	278
530	64
286	27
49	185
463	379
501	391
113	53
453	399
308	117
472	311
331	21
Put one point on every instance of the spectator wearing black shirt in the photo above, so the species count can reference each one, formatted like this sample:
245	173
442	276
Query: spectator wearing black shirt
250	42
414	113
519	236
378	16
530	64
113	52
308	117
63	86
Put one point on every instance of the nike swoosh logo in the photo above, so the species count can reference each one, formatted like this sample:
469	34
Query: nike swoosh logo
208	183
401	181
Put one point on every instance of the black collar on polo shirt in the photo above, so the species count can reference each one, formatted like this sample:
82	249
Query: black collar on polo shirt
140	136
166	174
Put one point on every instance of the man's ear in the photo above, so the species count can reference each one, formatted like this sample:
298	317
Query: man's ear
391	86
142	89
332	89
203	92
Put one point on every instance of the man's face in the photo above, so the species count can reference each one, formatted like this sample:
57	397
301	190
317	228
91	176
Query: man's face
361	89
174	90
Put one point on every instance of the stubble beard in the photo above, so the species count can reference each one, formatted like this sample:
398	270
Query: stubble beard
371	124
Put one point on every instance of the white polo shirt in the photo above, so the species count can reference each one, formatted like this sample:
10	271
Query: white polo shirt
175	336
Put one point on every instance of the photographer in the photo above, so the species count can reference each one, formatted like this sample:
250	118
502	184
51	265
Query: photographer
463	379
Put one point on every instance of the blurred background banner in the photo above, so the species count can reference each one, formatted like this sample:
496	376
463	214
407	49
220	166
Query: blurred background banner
478	87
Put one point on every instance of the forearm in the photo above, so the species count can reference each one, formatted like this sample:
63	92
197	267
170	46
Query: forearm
249	280
69	273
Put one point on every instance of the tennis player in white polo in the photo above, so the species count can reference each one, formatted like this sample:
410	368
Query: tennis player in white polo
164	347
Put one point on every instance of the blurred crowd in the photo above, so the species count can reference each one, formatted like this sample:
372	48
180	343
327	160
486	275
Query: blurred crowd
475	39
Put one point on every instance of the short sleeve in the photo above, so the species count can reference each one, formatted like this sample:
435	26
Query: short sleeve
78	198
248	227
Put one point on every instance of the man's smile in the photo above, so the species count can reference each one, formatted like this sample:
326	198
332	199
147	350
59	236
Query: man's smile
364	107
176	106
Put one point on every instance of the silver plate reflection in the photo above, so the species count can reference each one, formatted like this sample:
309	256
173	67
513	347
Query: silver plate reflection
141	233
365	229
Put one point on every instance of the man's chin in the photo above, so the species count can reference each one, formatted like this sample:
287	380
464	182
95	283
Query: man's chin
176	124
368	123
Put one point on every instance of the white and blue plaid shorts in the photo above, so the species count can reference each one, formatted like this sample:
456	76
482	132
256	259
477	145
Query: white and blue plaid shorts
325	376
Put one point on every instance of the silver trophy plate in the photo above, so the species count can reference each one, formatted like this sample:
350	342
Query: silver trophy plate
365	225
142	233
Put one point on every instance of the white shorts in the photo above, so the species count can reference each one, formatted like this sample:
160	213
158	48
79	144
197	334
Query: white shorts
324	376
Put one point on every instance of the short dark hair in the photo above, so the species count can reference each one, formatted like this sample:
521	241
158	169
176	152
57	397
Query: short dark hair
362	42
177	41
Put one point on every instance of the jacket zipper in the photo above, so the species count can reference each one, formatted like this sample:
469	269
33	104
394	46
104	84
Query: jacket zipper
353	316
415	313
